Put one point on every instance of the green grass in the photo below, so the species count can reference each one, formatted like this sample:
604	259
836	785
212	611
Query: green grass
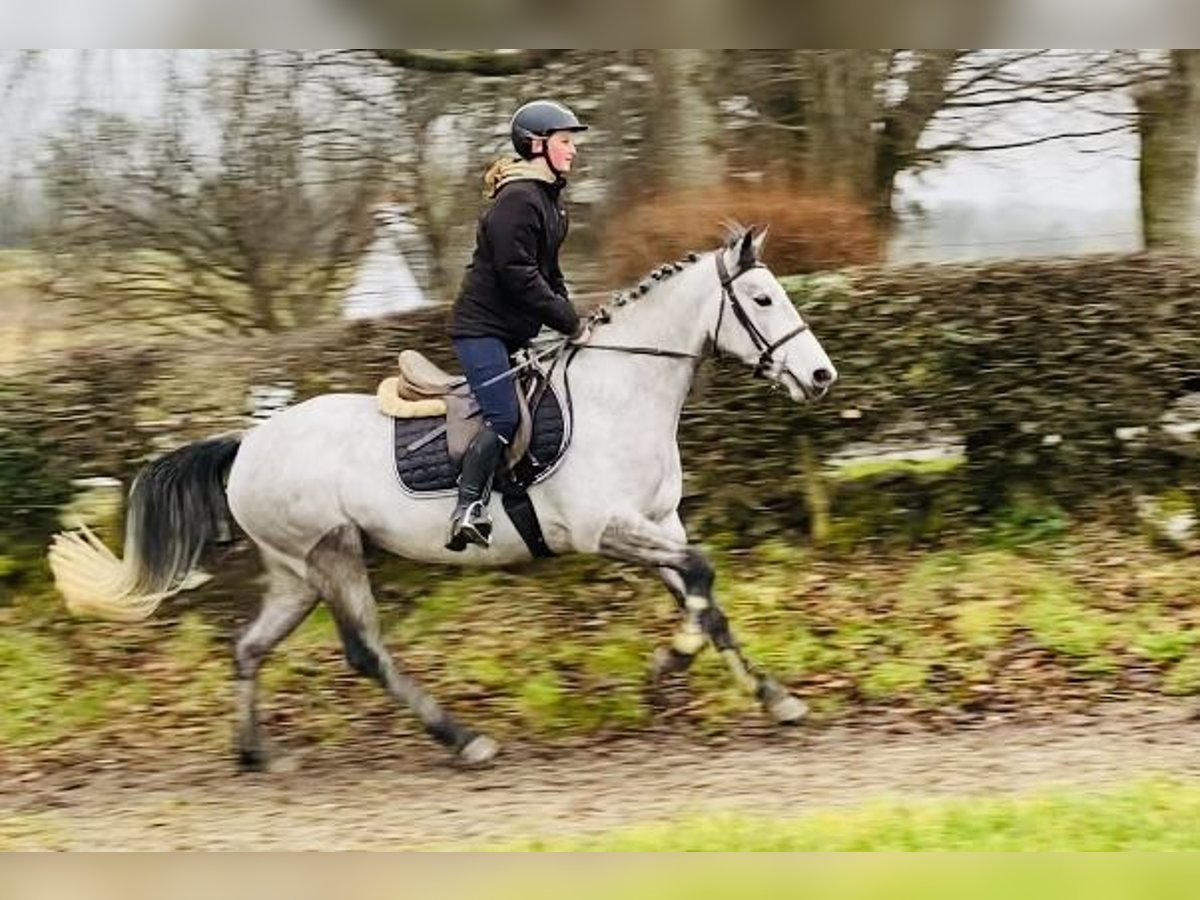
42	699
29	831
562	650
1153	814
981	624
1062	623
894	677
856	471
1183	679
1148	815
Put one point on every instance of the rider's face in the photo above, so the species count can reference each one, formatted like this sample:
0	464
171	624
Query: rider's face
560	150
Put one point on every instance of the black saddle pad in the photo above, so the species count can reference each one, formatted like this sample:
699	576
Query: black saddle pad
428	468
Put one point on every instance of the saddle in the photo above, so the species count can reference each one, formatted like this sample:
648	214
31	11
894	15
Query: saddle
434	419
421	389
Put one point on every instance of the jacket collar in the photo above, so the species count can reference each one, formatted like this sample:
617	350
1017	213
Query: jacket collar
506	171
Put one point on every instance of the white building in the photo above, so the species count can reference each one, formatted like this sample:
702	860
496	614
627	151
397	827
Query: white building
385	282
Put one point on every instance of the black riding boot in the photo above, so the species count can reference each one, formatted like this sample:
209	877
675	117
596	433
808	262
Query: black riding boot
471	523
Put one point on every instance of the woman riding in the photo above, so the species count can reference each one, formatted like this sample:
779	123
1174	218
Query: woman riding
513	286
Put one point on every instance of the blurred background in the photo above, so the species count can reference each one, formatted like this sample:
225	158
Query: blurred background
991	523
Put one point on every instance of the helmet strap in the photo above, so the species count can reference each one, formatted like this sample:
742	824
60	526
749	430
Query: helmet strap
545	154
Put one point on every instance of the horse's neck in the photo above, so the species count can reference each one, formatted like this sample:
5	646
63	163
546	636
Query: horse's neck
640	389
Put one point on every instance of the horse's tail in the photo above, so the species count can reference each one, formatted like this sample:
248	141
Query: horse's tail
176	506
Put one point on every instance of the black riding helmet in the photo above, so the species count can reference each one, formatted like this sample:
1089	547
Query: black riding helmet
540	119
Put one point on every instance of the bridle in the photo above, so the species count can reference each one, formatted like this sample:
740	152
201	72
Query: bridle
766	355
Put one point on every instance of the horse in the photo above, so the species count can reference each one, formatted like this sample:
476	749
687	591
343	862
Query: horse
312	485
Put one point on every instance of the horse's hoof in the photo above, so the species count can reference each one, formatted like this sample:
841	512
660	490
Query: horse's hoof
479	751
267	758
253	760
787	709
667	661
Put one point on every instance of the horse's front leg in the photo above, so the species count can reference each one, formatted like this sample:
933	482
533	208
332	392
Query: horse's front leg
636	539
678	655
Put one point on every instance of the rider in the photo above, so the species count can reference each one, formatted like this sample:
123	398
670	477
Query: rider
513	286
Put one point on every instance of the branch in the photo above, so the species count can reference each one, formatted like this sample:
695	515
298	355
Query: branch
978	67
983	76
962	146
1033	97
475	62
904	123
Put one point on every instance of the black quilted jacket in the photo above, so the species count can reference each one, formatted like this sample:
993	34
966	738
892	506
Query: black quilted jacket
513	285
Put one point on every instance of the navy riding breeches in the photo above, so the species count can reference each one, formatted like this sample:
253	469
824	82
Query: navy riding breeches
483	359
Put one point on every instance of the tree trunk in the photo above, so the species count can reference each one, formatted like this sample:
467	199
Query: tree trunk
1169	128
853	140
686	131
925	93
841	103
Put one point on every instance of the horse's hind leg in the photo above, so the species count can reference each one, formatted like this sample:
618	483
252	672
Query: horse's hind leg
287	601
337	569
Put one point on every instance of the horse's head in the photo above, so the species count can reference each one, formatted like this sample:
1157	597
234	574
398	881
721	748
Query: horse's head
758	323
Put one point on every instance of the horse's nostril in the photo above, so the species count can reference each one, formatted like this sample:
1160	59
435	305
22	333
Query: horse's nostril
822	377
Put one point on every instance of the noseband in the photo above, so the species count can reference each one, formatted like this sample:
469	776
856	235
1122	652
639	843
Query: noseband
766	356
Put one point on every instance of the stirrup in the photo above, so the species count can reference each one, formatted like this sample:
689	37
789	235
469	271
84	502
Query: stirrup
471	525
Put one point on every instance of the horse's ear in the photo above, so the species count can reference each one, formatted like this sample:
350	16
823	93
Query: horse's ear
760	238
748	248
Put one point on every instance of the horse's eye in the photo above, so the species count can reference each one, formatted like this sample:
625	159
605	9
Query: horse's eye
762	300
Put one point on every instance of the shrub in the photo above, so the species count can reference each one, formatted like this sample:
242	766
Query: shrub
809	232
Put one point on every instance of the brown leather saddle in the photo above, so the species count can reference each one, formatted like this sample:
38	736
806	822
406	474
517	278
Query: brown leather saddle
421	389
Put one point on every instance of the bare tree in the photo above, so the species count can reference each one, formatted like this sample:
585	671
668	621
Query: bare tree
855	119
237	209
254	193
847	120
452	112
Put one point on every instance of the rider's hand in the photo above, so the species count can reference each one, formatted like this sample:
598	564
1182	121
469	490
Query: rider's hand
583	335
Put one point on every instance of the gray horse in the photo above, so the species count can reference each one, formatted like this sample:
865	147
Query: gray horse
313	484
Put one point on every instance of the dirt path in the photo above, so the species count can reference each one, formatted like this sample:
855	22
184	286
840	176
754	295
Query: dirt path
391	796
